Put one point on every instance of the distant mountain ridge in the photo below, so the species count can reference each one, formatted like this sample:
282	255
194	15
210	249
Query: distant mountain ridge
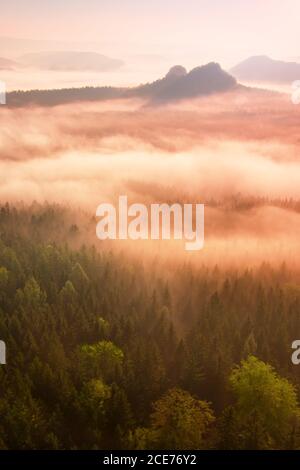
264	69
177	84
7	64
70	60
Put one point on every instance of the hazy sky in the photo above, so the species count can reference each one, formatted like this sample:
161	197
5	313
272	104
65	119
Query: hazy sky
190	30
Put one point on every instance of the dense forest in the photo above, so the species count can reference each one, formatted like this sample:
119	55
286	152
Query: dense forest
105	352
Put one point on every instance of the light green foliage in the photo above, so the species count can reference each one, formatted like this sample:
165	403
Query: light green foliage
266	405
179	421
104	351
95	393
102	359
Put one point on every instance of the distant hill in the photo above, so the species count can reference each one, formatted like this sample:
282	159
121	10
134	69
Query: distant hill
70	60
176	85
265	69
6	64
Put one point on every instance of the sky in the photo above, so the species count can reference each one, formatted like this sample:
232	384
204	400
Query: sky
191	31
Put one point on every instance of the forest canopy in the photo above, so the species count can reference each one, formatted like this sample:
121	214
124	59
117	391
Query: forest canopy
104	354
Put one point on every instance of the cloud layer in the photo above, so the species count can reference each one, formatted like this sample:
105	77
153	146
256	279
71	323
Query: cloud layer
238	152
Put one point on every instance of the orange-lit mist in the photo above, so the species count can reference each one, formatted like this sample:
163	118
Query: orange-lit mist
238	153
